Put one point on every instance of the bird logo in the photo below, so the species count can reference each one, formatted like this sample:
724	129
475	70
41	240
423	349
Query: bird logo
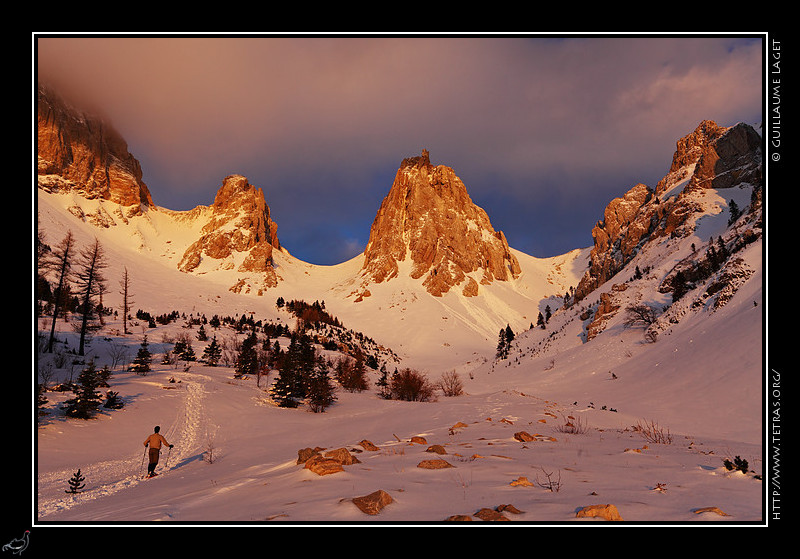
18	545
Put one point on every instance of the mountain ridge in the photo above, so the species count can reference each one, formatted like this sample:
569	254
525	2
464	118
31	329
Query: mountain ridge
406	300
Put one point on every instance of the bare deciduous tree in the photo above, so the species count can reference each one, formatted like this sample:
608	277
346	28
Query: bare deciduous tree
117	352
640	314
450	384
125	283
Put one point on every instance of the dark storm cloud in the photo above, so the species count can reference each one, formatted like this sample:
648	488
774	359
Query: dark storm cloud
543	131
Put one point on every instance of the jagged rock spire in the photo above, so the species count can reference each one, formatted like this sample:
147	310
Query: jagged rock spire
239	222
428	217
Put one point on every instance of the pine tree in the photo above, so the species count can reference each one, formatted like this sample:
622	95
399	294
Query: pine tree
188	353
509	335
103	376
733	207
321	389
212	353
502	345
383	382
183	350
141	364
87	399
91	283
504	342
680	285
76	483
307	361
276	355
178	348
60	262
283	390
723	250
247	361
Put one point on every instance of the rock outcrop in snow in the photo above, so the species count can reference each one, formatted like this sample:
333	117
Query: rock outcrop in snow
81	152
429	218
709	157
239	234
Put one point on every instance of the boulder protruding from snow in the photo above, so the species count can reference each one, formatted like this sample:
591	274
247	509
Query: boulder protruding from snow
606	512
373	503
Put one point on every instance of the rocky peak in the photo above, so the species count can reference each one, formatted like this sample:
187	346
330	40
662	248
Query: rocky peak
731	159
80	151
239	228
242	204
428	217
709	157
715	157
690	148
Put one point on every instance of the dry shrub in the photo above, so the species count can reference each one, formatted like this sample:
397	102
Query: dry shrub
574	426
552	484
412	386
450	384
653	433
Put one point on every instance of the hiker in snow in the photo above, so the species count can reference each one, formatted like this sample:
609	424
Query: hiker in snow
155	441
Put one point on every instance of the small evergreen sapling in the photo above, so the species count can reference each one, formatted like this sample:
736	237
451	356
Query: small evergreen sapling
75	483
141	364
87	399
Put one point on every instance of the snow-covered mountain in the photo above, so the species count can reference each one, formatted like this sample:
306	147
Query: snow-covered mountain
661	318
435	283
429	331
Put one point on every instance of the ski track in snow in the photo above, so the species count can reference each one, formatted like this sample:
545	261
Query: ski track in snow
112	476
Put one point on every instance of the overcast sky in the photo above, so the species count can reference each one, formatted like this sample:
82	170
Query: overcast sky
544	131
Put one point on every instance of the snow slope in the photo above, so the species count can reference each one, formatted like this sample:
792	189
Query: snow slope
701	382
429	332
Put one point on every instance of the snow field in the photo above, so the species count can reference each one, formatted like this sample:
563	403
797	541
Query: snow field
254	478
702	380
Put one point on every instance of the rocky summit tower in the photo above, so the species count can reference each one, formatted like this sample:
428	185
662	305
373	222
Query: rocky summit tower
429	219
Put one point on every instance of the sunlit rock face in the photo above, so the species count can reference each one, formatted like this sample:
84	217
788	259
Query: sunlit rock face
711	156
79	151
239	225
429	218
